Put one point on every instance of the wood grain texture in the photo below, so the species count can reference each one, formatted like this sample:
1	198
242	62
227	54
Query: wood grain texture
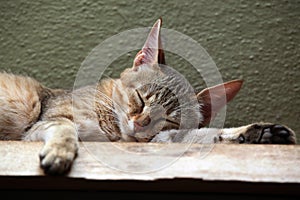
138	161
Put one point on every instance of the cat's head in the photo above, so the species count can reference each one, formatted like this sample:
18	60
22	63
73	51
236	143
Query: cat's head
155	97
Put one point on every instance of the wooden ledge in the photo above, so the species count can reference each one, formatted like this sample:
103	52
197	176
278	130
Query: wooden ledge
138	163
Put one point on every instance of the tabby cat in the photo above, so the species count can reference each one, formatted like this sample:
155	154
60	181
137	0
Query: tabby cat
122	109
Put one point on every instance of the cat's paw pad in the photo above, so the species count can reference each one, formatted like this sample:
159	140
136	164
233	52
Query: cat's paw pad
276	134
57	158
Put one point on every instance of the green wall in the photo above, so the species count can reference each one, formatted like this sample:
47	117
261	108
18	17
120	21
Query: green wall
257	41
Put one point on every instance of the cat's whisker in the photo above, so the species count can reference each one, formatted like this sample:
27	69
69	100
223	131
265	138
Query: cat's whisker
110	99
110	102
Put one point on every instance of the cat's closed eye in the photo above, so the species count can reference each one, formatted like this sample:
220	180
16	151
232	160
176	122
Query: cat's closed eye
136	104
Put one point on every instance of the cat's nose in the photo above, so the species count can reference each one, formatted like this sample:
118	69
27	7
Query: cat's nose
140	124
137	127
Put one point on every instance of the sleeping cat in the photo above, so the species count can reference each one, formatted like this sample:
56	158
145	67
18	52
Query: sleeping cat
123	109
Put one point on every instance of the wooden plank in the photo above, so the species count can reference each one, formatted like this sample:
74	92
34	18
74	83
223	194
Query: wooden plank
143	162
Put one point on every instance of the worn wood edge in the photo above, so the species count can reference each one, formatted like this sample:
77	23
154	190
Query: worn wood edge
177	185
234	163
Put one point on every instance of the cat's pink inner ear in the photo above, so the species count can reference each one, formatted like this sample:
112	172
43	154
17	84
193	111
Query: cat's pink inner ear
150	51
215	98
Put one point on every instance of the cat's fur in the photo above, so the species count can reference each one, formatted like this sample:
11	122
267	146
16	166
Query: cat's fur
123	109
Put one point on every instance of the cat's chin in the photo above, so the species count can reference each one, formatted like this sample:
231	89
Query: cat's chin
143	137
127	132
137	136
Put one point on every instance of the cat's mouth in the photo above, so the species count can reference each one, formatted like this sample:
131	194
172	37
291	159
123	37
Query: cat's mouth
144	133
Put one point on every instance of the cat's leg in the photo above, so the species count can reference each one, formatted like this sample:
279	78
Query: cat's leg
257	133
60	144
200	136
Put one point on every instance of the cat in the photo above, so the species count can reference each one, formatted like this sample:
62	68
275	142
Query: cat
121	110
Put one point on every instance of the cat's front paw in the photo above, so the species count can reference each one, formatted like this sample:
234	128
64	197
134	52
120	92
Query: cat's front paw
57	158
270	134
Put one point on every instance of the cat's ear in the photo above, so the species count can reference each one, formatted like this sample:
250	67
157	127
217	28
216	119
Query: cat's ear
215	98
152	52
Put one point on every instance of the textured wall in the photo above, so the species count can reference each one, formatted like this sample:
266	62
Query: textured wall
258	41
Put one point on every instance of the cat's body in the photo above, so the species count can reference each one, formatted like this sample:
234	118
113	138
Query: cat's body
132	108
